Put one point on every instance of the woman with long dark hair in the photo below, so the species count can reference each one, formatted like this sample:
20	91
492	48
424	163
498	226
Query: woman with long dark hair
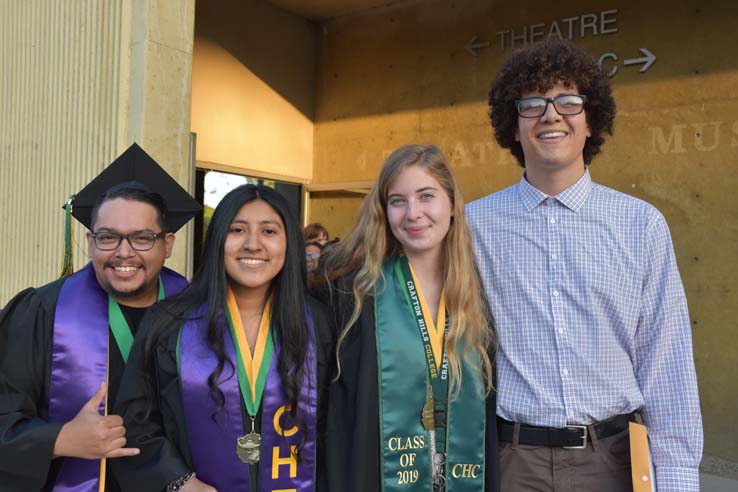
222	383
412	406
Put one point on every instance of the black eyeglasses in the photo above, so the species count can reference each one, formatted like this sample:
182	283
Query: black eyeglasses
312	256
140	241
564	104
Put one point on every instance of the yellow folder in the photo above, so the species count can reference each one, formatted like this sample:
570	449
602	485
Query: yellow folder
640	459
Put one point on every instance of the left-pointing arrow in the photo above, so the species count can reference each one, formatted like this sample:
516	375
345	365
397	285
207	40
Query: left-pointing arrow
472	46
646	60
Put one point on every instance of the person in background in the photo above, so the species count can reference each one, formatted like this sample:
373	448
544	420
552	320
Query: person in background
312	255
588	302
316	233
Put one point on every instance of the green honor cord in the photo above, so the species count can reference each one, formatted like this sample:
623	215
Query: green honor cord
252	401
119	325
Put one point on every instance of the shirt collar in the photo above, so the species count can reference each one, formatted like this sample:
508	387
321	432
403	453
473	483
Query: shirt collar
573	197
529	194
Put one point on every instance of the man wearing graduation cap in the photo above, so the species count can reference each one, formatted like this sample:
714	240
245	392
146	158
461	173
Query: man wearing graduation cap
63	346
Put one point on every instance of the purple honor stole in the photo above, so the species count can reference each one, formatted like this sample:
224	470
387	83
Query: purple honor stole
79	361
213	443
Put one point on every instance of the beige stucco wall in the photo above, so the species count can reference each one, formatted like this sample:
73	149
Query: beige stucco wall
253	85
402	75
80	82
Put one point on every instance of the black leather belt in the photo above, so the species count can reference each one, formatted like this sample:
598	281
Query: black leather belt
571	436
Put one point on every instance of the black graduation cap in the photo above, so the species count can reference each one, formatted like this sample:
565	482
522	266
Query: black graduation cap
136	165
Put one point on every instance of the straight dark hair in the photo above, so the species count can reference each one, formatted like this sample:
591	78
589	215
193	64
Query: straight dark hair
210	285
136	192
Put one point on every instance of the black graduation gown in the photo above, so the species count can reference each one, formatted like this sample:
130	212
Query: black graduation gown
162	436
26	438
352	437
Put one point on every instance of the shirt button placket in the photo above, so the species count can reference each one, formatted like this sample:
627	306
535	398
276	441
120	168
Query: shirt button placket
555	264
555	281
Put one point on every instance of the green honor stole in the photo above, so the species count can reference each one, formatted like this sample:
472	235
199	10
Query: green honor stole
413	379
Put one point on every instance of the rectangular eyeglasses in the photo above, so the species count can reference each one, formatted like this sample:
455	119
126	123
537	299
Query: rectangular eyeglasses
140	241
564	104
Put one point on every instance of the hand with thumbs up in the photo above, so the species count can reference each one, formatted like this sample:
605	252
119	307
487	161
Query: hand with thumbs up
93	436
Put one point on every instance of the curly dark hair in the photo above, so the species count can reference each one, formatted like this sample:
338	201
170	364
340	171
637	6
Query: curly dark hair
538	67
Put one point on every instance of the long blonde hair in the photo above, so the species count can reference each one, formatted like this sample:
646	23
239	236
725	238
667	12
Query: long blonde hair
371	242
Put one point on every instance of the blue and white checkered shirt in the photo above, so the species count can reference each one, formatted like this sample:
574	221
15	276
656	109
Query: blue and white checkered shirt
591	316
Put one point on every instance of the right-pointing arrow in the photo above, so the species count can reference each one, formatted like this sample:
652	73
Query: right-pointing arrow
646	60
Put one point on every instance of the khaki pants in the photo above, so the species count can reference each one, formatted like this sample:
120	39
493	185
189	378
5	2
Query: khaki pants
604	466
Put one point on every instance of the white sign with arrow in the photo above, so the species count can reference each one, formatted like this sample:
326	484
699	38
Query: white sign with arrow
647	60
473	45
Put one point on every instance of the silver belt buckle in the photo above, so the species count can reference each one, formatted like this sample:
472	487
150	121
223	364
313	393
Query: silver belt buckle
583	428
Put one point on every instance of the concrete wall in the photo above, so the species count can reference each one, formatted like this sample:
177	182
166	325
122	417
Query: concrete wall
403	74
80	82
253	89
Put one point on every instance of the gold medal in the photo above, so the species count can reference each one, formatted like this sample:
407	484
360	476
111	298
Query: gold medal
428	417
248	447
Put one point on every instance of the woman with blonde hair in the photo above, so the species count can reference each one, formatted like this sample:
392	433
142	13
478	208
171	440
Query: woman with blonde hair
412	405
